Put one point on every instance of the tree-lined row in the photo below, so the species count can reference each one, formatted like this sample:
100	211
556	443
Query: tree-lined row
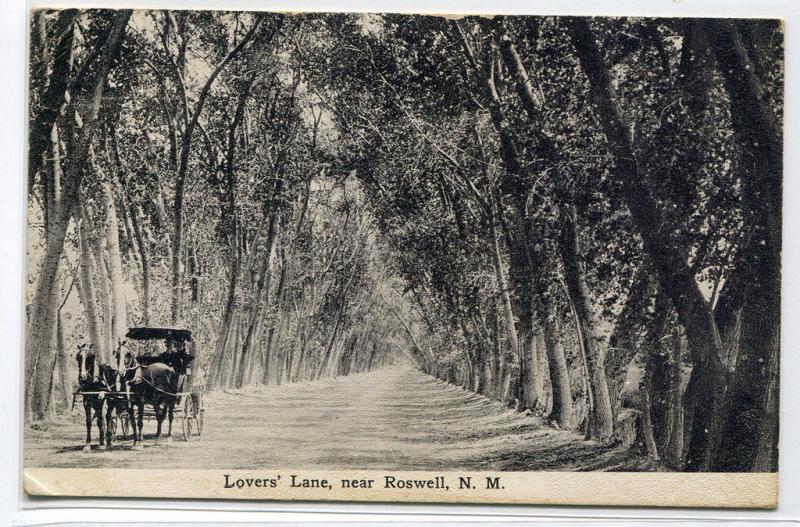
573	201
185	181
543	210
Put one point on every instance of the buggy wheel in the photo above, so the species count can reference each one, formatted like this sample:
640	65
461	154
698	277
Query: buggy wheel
186	428
186	418
197	397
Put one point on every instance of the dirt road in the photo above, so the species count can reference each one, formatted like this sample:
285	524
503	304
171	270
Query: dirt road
395	418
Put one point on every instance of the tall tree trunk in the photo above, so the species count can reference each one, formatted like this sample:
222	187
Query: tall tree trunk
261	296
673	446
524	87
61	362
230	352
279	305
106	302
624	341
503	288
39	367
86	286
601	417
498	360
59	366
647	405
541	375
766	455
253	362
559	374
526	388
119	302
325	358
227	323
54	95
233	354
298	372
231	220
136	216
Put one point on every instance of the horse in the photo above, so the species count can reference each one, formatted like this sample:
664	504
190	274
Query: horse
92	385
94	376
154	381
116	402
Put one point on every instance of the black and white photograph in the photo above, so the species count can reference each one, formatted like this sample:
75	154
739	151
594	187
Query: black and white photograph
466	248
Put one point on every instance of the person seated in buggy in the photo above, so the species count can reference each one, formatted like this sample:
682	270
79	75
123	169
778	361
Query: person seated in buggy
163	349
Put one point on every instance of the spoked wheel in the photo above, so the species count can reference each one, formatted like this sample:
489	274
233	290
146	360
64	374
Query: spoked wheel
198	410
186	418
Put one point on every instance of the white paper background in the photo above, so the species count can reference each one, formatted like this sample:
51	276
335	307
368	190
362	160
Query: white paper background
19	510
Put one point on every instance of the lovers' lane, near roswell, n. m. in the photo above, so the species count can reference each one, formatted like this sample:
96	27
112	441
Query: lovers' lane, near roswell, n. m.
386	482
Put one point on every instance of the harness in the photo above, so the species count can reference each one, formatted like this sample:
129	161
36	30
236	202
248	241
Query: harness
149	382
97	378
105	382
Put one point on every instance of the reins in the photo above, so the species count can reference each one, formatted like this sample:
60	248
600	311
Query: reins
152	384
156	388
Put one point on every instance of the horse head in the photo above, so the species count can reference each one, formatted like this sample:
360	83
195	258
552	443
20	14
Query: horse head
126	361
87	364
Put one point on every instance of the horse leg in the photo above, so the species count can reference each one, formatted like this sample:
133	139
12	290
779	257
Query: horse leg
136	424
100	424
120	409
132	421
170	411
87	408
109	423
140	422
160	414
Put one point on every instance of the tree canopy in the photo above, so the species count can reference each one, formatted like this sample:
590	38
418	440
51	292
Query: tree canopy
578	216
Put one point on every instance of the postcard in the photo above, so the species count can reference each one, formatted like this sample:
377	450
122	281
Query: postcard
412	258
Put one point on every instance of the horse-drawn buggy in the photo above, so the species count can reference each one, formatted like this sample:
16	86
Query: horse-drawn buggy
150	379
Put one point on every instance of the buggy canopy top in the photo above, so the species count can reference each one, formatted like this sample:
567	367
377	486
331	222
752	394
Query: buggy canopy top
176	334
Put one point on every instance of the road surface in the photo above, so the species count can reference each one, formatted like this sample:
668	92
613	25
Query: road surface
395	418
